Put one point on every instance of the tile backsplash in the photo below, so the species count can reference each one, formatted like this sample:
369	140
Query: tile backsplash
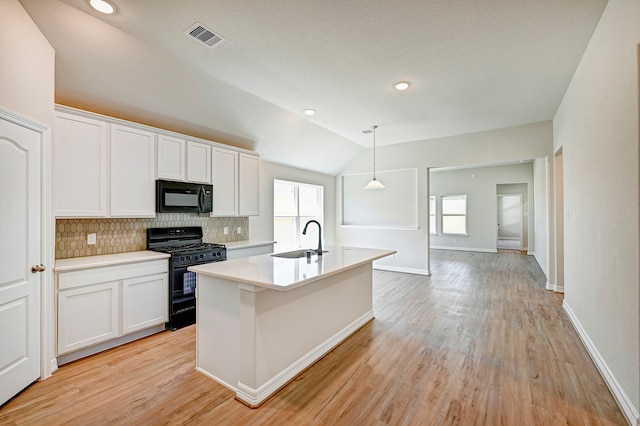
124	235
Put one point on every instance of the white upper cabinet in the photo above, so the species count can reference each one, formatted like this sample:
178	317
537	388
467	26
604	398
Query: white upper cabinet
225	182
105	167
172	156
80	168
183	161
235	183
198	162
133	170
249	185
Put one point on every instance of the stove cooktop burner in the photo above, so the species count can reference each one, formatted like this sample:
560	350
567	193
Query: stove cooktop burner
189	248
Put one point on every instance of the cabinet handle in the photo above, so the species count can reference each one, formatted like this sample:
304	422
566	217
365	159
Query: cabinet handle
37	268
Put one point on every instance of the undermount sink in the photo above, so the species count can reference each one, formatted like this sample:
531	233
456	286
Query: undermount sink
296	253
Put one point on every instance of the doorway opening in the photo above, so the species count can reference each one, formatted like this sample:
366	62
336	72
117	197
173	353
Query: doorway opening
512	217
510	230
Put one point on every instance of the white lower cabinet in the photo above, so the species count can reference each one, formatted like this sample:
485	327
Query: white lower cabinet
87	316
96	305
144	302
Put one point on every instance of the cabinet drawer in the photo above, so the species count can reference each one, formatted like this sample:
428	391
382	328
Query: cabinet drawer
68	280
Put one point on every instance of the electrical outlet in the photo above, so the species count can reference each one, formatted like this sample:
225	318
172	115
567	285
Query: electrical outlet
225	230
91	239
239	230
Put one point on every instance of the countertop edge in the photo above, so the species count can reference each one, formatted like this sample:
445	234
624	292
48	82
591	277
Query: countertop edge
244	244
87	262
262	284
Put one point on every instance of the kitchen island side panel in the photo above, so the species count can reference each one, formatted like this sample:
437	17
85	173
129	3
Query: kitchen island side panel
218	329
291	324
254	340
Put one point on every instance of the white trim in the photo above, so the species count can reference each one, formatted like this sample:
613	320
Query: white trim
255	397
217	379
403	270
544	270
113	120
109	344
22	121
456	248
624	402
48	363
554	287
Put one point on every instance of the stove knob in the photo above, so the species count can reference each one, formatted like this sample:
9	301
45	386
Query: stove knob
202	256
182	258
188	257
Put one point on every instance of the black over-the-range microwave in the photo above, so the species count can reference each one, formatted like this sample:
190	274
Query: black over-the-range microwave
183	197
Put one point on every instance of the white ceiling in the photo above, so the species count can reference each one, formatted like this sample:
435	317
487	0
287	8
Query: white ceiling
472	65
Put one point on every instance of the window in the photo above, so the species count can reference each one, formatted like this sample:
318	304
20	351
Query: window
294	204
454	214
432	215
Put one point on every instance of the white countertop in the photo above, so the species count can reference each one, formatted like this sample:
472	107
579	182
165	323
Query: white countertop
75	263
279	273
244	244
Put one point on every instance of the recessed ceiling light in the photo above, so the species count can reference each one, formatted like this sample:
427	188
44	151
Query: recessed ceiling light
309	111
102	6
403	85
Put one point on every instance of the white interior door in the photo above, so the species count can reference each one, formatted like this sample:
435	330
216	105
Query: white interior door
19	250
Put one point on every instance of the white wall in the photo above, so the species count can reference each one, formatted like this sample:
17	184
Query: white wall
490	147
26	65
541	192
480	187
597	128
261	227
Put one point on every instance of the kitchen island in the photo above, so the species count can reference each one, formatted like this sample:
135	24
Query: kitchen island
261	320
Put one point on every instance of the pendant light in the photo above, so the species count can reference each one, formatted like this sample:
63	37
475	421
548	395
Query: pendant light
374	183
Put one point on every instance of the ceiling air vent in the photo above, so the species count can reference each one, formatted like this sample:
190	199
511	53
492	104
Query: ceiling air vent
203	35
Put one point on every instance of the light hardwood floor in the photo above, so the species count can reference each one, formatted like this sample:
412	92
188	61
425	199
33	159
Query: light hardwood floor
480	342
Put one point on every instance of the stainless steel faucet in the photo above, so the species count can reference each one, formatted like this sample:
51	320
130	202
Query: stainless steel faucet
304	232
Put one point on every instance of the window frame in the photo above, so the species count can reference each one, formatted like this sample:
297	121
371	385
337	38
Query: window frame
433	202
298	225
465	215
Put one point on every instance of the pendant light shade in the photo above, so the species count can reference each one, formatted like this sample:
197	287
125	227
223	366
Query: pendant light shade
373	183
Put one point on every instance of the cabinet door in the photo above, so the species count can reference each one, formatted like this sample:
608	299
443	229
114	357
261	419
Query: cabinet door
133	159
145	302
225	182
172	156
80	166
249	185
198	162
87	315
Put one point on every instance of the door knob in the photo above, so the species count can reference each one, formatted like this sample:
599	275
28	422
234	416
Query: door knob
37	268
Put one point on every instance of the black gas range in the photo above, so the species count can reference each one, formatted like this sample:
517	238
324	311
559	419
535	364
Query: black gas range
186	248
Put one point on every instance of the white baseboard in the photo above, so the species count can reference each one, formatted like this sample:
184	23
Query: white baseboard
544	269
624	402
254	397
554	287
91	350
481	250
227	385
401	269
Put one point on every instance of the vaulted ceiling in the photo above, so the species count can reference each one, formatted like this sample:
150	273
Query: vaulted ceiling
472	66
